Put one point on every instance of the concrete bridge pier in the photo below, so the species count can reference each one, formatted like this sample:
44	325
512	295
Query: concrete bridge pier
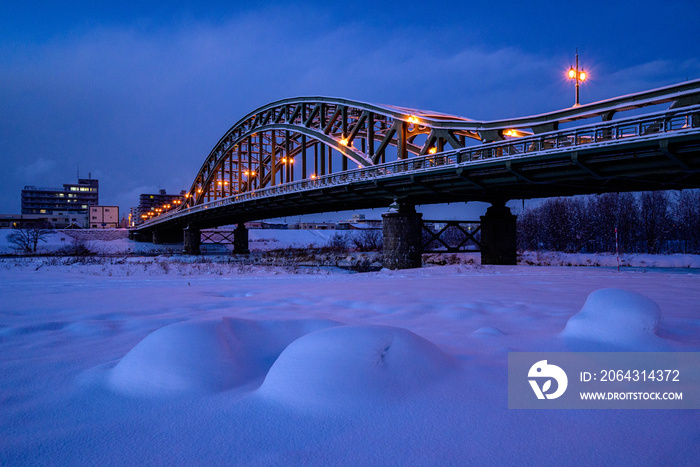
192	240
402	231
498	235
240	240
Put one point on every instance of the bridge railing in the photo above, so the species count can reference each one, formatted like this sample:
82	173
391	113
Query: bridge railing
654	125
649	125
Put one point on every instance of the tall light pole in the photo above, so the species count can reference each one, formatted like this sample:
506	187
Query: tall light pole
578	75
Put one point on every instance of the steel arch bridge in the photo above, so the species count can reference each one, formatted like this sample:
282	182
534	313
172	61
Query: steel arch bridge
310	137
314	154
303	137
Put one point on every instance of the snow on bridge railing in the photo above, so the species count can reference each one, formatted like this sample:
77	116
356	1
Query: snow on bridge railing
653	125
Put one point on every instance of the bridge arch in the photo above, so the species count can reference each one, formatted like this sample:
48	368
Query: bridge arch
270	145
301	138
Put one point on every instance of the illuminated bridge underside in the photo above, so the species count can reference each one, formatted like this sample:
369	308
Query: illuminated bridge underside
307	155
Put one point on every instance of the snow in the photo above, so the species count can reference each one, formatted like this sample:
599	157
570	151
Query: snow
146	361
206	356
354	365
115	241
620	319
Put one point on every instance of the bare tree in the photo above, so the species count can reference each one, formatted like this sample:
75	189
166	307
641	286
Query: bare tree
367	240
687	221
647	222
655	220
27	238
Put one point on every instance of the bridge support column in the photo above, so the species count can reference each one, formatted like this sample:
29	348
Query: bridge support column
192	239
157	237
498	235
402	238
240	240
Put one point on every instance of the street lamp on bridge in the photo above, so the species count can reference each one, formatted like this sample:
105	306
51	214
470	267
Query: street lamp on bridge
578	75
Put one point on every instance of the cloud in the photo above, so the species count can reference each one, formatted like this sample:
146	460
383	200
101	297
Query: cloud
39	169
145	107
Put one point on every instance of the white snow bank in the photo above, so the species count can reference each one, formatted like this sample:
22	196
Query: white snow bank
618	319
555	258
348	366
206	356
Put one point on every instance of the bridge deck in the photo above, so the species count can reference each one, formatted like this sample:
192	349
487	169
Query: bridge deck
651	152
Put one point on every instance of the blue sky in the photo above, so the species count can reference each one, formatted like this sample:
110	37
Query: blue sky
137	93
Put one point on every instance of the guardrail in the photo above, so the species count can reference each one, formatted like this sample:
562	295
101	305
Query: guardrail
654	125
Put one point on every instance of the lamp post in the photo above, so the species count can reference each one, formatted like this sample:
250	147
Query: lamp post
578	75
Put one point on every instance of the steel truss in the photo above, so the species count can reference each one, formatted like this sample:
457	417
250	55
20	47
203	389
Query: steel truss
453	237
297	138
301	143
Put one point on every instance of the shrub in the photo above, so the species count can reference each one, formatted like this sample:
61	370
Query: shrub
367	240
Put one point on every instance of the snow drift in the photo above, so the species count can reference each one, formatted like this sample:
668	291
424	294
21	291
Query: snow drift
206	356
616	319
350	365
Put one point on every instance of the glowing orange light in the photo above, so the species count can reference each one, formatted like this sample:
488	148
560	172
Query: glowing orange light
582	76
344	141
432	150
412	119
313	176
572	73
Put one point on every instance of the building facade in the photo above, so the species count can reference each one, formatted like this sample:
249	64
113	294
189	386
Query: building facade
103	217
55	220
73	197
151	205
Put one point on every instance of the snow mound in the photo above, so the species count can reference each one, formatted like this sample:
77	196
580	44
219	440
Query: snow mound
350	365
206	356
616	319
